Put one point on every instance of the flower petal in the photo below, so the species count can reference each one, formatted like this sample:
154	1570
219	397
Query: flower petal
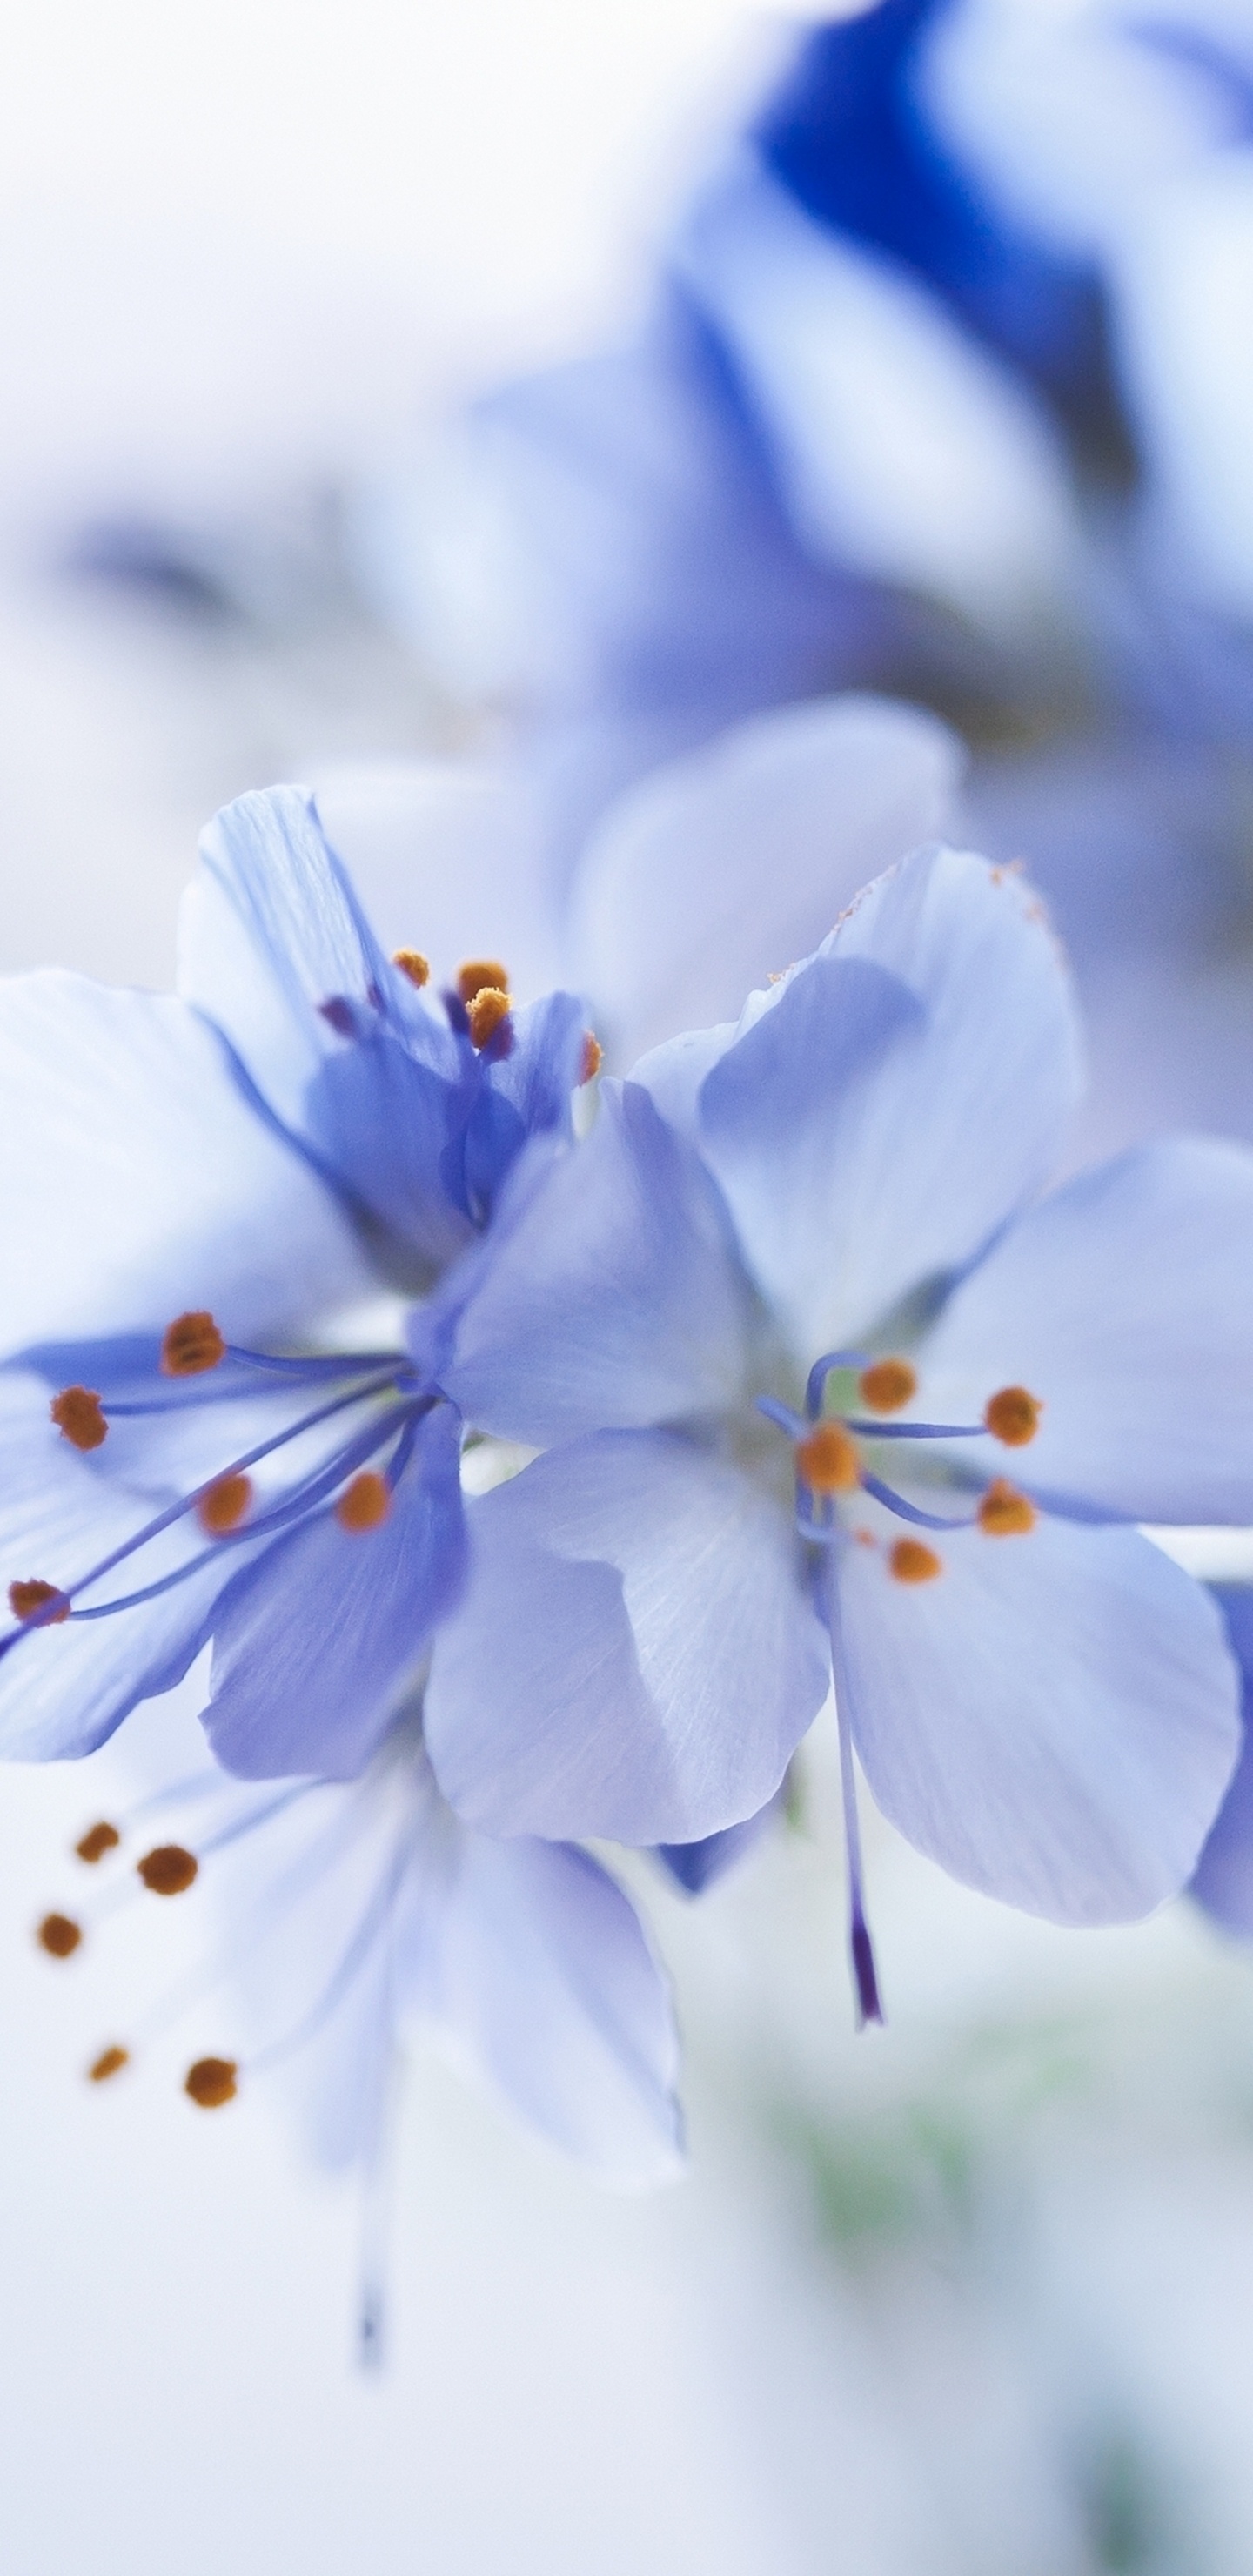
543	1977
1054	1718
313	1643
1122	1302
696	1866
1222	1881
138	1181
610	1295
740	857
635	1655
354	1065
883	1110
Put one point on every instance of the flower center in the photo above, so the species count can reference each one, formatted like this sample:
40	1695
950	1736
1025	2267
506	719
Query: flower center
829	1452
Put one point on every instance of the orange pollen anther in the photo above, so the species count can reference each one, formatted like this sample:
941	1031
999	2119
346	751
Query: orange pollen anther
1013	1416
365	1502
829	1461
59	1935
211	2082
592	1058
485	1013
413	964
887	1385
911	1562
192	1343
168	1869
225	1505
110	2062
27	1600
480	975
77	1411
1004	1512
98	1840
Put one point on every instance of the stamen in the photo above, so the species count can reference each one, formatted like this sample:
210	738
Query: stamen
480	975
30	1602
110	2062
35	1614
486	1014
413	964
168	1869
211	2082
225	1505
78	1413
1004	1512
860	1946
829	1461
592	1058
364	1503
887	1385
98	1840
1013	1416
59	1935
191	1343
911	1562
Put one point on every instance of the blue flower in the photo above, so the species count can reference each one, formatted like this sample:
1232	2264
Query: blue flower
221	1210
353	1916
823	1385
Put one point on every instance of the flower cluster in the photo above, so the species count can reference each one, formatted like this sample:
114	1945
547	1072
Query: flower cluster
525	1478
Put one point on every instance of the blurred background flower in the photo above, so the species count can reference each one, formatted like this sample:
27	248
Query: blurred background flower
907	354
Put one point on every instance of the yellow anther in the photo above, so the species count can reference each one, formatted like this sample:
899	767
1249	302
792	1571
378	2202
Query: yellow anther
413	964
592	1058
30	1600
829	1461
211	2082
911	1562
886	1385
191	1343
59	1935
98	1840
225	1505
168	1869
480	975
365	1502
77	1412
1013	1416
485	1014
110	2062
1004	1512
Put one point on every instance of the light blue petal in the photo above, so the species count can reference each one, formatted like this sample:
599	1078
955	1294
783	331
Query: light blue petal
1054	1718
610	1295
138	1182
696	1866
544	1979
635	1655
314	1642
525	1093
1122	1302
738	859
352	1063
891	1101
1223	1879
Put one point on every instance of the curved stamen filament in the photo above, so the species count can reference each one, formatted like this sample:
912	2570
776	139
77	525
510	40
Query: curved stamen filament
175	1512
295	1507
894	1502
